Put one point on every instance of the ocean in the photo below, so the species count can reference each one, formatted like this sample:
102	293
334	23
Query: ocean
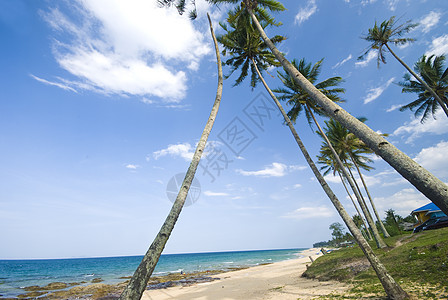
17	274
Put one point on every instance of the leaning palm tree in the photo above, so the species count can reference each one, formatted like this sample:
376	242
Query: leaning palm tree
431	71
390	32
300	101
137	285
392	289
432	187
326	158
350	148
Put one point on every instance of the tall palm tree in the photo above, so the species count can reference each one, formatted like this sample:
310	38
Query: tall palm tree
137	285
326	158
300	100
432	187
349	147
431	71
391	287
246	50
390	32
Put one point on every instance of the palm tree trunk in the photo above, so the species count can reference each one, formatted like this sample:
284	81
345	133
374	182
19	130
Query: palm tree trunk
392	289
428	88
383	229
137	285
432	187
376	235
369	235
367	211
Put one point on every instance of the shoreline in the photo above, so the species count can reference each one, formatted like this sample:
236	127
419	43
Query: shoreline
98	289
279	280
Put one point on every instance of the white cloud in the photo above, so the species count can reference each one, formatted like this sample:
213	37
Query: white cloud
403	202
394	107
414	129
310	212
132	167
439	46
127	48
184	151
273	170
215	194
434	159
342	62
297	168
374	93
306	12
332	178
429	21
370	56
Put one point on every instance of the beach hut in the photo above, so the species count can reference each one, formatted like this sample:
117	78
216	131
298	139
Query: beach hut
426	212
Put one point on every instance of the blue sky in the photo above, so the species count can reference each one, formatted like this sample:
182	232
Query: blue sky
102	103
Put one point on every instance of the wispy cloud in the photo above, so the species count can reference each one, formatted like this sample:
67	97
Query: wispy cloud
414	129
374	93
392	4
429	21
58	84
370	56
306	12
297	168
394	107
215	194
310	213
342	62
112	47
439	46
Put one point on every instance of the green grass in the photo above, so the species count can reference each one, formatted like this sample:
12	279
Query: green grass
418	262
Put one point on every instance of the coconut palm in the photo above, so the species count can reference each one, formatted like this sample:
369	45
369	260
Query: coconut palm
246	50
300	100
405	165
431	71
326	158
350	148
230	42
137	285
432	187
390	32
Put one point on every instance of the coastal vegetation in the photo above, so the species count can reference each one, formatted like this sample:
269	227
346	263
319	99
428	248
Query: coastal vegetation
418	261
246	42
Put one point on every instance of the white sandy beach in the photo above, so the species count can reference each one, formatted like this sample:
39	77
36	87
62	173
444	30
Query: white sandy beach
281	280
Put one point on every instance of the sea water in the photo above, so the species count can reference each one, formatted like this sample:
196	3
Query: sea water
17	274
